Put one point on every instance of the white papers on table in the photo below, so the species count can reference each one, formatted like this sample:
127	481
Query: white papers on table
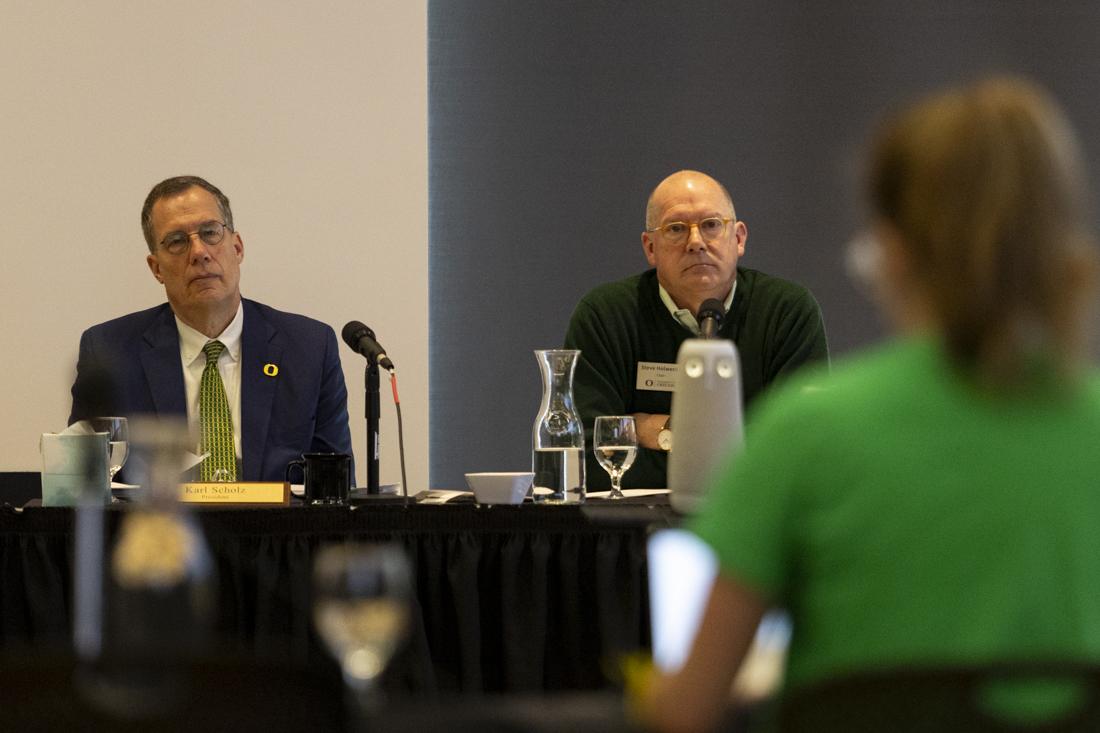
627	493
439	496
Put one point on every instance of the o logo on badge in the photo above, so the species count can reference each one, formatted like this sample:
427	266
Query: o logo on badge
271	370
649	382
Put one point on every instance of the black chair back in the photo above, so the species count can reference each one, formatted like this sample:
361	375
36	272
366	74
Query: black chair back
1062	697
19	487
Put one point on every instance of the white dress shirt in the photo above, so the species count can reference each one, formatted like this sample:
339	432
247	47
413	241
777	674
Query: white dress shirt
229	366
685	317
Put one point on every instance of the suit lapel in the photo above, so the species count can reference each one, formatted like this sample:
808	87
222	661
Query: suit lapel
259	347
163	370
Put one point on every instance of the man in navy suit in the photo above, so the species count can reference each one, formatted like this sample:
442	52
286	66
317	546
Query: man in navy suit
281	372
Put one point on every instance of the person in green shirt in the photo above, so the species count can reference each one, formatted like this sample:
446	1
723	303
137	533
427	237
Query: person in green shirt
629	332
935	503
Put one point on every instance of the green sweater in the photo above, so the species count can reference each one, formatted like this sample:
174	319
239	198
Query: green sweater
905	518
776	325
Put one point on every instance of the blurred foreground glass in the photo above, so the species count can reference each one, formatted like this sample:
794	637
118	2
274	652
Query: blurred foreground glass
615	443
146	606
118	440
362	601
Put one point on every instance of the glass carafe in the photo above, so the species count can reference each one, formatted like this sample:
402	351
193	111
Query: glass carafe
557	439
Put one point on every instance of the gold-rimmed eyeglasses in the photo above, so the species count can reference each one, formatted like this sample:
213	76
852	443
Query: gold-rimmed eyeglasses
211	233
678	232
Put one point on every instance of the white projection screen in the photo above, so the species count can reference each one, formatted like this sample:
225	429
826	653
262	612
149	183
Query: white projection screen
311	118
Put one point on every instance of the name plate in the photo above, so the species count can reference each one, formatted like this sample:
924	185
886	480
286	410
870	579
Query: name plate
238	493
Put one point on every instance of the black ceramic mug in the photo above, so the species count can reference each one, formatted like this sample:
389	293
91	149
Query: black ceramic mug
327	477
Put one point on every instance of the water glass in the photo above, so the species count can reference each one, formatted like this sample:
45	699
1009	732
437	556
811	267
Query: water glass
118	440
615	443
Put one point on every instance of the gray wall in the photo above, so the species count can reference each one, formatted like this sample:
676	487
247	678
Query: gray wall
550	122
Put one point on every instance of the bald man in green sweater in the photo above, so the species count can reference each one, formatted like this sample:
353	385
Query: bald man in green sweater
630	331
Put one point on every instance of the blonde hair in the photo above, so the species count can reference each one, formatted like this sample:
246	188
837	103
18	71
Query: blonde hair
982	183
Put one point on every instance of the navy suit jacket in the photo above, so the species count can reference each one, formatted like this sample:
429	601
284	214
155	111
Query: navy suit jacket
301	409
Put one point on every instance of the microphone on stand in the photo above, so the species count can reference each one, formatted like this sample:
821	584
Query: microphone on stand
361	339
710	316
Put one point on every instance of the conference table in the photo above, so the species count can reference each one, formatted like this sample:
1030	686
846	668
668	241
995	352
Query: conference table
516	599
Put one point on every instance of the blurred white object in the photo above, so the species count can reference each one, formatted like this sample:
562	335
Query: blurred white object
500	488
863	259
706	417
71	463
682	569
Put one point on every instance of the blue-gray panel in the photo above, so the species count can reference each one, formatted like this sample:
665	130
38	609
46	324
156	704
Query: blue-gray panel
550	121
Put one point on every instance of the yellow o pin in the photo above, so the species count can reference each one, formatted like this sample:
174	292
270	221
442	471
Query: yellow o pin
271	370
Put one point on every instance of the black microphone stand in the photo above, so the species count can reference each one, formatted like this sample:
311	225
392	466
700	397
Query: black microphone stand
371	402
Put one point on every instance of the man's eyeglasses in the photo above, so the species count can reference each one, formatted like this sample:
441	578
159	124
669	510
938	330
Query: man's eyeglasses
211	234
678	232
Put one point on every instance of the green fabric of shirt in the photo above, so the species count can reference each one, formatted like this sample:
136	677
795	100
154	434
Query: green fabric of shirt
776	325
905	517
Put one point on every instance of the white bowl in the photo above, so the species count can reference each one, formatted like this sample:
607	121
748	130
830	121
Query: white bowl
500	488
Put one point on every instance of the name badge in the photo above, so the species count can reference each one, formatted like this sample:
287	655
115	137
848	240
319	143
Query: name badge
656	376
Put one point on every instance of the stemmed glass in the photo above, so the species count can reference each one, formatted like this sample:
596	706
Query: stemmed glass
361	607
615	445
118	438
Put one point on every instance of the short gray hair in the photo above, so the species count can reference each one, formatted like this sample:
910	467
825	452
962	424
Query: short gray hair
177	185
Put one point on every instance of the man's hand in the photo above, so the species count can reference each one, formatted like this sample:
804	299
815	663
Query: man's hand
648	425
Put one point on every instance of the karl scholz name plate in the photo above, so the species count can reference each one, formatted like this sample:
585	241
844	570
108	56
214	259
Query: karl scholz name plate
236	493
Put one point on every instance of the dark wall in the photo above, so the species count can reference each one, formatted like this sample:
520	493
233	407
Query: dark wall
551	121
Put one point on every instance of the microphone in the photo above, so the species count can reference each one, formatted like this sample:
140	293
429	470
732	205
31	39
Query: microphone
361	340
710	316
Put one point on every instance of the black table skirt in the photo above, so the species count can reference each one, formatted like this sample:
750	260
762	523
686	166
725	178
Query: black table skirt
56	694
511	599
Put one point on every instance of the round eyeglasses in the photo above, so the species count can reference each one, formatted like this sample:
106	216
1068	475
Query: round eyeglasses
211	233
678	232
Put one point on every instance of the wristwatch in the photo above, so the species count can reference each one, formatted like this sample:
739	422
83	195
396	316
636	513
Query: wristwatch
664	438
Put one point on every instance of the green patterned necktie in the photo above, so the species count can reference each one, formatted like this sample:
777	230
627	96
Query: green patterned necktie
215	420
